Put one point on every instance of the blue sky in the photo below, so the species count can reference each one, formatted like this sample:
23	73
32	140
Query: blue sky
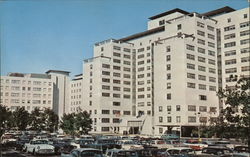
41	35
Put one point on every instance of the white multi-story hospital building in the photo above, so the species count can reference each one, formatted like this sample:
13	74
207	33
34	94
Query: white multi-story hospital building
166	77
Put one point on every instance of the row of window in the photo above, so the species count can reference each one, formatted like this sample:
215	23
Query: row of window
17	88
191	119
107	66
201	68
233	52
234	61
28	82
17	101
200	77
232	27
115	95
200	50
202	25
200	86
201	33
234	70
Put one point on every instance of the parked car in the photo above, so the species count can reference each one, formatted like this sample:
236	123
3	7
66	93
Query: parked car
84	152
62	146
219	151
121	153
224	144
39	147
181	152
129	144
20	144
195	144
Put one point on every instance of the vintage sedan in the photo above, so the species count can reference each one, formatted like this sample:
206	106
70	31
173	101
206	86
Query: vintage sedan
181	152
84	152
39	147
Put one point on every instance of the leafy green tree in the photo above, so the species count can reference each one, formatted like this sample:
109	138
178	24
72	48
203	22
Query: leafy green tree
5	115
236	114
83	122
74	123
50	120
68	123
21	118
37	120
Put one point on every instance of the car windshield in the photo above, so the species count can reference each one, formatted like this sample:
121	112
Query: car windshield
91	153
40	142
187	151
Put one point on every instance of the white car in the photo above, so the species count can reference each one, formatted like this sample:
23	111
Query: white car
39	147
129	144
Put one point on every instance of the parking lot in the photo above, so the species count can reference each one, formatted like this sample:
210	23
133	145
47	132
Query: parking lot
11	152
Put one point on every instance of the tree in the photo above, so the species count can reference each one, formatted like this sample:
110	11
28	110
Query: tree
236	114
50	120
83	122
74	123
21	118
68	123
37	120
5	115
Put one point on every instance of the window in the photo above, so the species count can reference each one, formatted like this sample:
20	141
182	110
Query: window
244	33
126	62
126	50
168	108
169	119
229	36
211	36
126	89
141	69
178	26
115	103
200	41
191	119
168	58
210	28
191	57
245	68
199	24
168	66
141	62
141	50
168	76
212	79
211	53
105	128
245	41
230	61
160	108
201	50
245	50
191	108
140	56
105	80
105	111
211	70
160	119
105	120
105	94
244	24
211	61
230	53
116	54
168	49
190	75
116	120
168	96
201	68
231	70
162	22
190	85
116	95
232	27
178	108
203	97
105	73
105	87
126	112
168	85
202	87
201	59
116	48
245	59
245	16
229	20
201	33
116	81
212	88
202	77
178	119
210	44
116	68
190	47
116	60
190	66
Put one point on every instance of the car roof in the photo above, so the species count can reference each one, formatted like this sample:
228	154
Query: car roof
85	149
179	148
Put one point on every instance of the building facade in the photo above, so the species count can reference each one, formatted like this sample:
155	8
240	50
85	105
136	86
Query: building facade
76	93
166	77
31	91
